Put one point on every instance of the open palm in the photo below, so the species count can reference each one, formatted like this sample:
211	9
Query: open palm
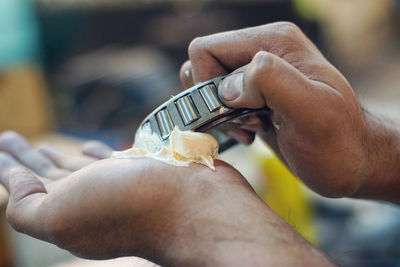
115	207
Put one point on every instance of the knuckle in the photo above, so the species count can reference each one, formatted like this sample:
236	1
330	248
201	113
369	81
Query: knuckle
259	72
196	46
262	66
287	29
263	60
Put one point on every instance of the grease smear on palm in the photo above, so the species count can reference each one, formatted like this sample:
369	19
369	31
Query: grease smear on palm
181	148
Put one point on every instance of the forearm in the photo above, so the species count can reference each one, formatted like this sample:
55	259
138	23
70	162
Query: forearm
243	232
277	245
382	167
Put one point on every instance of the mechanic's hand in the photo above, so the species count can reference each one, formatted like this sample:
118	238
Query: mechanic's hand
317	124
103	208
175	216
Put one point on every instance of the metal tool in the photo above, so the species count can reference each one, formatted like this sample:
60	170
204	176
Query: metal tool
199	109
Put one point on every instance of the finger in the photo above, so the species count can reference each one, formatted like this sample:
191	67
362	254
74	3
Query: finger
20	149
24	210
7	162
96	149
204	65
63	160
221	53
270	81
23	183
185	74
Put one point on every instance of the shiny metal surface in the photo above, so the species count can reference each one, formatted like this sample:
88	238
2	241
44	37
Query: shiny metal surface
164	123
199	109
209	94
187	110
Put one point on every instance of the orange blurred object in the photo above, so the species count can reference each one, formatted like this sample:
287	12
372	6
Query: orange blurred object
24	105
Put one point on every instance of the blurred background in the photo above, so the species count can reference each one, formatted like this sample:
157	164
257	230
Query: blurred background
74	70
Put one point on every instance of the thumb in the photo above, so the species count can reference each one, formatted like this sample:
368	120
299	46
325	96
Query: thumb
268	80
22	183
25	212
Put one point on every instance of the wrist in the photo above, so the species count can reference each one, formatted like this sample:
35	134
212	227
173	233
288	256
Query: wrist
381	172
230	226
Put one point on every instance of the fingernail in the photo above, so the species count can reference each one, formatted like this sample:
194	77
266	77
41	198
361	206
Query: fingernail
187	73
231	87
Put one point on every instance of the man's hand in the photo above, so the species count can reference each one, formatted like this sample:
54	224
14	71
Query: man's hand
318	126
142	207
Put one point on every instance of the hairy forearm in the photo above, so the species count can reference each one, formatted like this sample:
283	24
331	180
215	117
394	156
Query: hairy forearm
258	242
382	168
278	246
243	232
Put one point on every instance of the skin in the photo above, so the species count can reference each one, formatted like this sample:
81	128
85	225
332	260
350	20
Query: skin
194	216
317	125
173	216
